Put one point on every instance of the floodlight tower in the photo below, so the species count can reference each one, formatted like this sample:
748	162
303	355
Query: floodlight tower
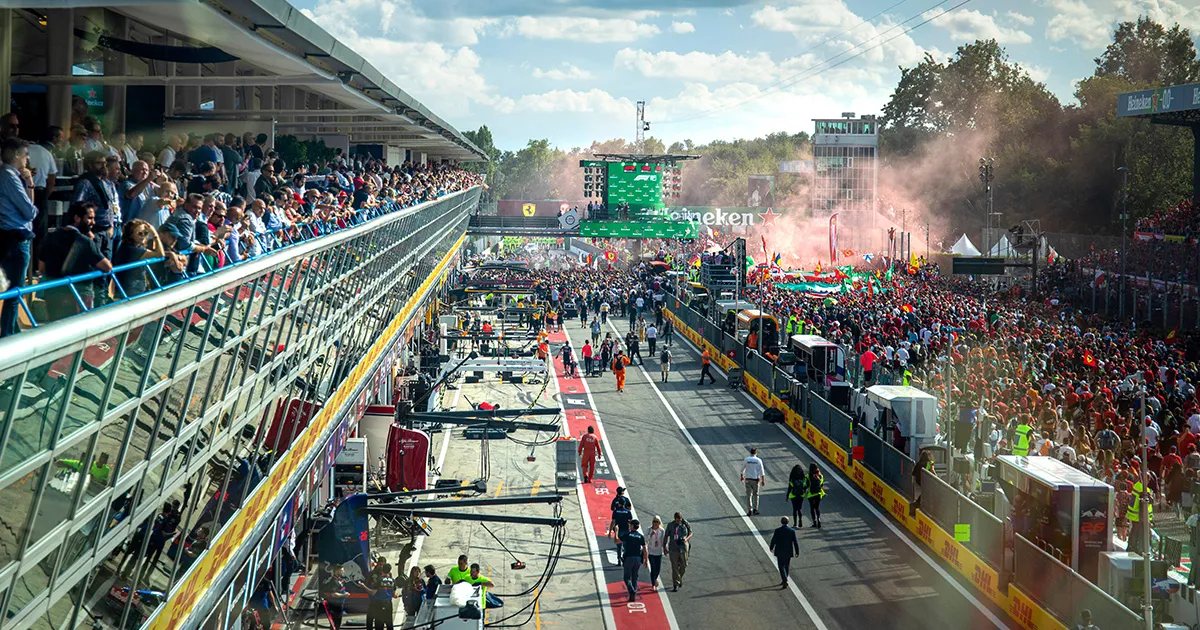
642	126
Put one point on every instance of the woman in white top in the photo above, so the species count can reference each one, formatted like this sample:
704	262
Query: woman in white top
655	540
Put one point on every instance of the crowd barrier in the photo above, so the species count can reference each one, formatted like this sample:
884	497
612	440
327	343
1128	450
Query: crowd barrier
1040	594
274	241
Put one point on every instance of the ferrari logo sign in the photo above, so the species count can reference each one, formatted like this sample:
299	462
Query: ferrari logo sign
528	209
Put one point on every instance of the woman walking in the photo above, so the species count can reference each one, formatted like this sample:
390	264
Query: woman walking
815	492
797	483
656	539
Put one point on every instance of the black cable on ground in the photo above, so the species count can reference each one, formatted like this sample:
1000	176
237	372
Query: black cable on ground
556	544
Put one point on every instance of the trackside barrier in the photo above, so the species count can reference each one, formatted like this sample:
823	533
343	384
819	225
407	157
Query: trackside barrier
1065	592
895	500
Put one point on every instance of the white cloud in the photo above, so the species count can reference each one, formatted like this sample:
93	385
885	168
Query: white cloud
581	30
682	27
593	101
400	18
1020	18
1090	24
967	25
840	34
566	72
696	66
1041	74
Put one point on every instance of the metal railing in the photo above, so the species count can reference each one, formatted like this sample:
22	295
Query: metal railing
1065	593
169	394
273	241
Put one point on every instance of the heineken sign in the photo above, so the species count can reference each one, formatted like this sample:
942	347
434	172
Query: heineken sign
637	229
723	216
1178	98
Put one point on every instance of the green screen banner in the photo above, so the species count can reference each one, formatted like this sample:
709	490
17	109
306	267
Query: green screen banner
637	183
634	229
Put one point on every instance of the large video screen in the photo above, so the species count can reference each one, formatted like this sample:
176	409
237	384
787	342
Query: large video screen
635	183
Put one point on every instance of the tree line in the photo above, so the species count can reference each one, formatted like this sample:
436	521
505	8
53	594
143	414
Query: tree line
1054	162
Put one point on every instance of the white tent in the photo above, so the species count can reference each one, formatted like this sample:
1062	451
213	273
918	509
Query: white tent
1002	249
964	247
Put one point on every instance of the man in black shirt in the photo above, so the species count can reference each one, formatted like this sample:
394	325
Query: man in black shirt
70	251
636	556
622	517
784	545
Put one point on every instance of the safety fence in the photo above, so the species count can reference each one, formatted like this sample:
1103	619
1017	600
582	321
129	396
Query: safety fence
60	298
1064	592
1038	576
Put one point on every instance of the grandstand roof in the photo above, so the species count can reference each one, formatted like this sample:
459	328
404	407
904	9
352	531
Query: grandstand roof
275	37
1174	105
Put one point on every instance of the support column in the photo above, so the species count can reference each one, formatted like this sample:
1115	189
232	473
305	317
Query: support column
115	95
187	97
6	55
169	71
266	97
286	97
224	96
60	56
1196	163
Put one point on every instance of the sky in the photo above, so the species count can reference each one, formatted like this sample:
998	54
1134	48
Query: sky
573	70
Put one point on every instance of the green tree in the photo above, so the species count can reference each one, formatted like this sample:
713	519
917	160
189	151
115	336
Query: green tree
1146	53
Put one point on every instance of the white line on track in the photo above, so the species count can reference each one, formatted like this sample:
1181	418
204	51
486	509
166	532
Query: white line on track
597	557
737	504
854	491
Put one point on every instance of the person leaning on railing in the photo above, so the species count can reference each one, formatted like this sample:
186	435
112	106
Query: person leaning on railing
17	213
73	250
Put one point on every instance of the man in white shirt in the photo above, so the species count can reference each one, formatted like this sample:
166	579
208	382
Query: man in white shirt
1152	432
1194	423
755	478
167	156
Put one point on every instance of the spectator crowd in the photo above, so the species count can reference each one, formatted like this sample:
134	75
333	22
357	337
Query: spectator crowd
195	204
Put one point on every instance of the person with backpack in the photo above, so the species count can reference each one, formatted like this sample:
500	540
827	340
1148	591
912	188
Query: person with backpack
815	492
797	483
618	368
664	363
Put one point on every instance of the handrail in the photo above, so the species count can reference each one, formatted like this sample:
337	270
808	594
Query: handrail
18	292
129	313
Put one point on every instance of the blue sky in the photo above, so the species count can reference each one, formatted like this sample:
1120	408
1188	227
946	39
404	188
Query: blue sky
571	70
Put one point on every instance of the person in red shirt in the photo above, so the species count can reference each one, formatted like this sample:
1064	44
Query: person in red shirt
589	449
867	360
1171	459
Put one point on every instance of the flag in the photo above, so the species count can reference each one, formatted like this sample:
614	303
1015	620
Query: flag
1173	335
588	261
912	264
610	256
1089	359
1100	278
694	261
907	308
818	269
888	276
1051	256
868	257
833	239
777	259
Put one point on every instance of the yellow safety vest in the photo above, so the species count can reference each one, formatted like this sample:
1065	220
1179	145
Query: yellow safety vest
1134	511
1021	447
816	487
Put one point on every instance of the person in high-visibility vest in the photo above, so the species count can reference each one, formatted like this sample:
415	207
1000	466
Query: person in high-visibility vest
907	376
1021	439
1134	514
791	325
815	491
797	484
800	327
706	367
618	368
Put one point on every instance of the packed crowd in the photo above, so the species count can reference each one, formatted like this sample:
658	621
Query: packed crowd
1072	376
199	203
1182	219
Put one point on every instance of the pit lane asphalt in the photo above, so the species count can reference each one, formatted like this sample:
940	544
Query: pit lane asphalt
855	572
